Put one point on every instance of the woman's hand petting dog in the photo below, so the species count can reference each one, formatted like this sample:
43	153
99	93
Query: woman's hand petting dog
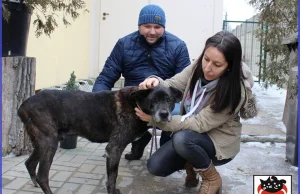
143	116
148	83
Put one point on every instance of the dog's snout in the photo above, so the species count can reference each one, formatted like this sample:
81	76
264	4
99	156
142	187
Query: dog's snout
164	114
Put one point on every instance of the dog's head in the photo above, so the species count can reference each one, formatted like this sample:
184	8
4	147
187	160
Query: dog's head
158	101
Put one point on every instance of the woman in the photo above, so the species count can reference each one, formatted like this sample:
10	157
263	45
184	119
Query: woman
216	94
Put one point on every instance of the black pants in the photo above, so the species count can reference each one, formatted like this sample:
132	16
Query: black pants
164	137
185	146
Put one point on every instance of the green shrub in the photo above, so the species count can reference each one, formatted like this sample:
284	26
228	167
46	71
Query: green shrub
71	85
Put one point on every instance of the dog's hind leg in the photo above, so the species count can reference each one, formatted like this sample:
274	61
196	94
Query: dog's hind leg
33	160
48	147
114	151
31	164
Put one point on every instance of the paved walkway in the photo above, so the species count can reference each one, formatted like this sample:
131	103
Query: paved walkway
82	170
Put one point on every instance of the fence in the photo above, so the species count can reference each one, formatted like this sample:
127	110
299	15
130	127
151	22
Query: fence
253	54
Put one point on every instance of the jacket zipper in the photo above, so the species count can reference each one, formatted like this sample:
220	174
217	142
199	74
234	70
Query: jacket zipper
150	62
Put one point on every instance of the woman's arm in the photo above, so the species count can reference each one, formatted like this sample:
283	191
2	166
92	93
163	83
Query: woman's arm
206	120
179	81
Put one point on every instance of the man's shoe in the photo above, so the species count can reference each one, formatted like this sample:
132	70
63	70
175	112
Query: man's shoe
138	147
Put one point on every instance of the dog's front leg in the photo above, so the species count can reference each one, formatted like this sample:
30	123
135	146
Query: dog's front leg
114	151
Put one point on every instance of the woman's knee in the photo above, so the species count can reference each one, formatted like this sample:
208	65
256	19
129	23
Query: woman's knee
181	141
154	168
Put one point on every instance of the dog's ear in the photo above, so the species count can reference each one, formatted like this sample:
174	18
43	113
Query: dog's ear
139	95
177	94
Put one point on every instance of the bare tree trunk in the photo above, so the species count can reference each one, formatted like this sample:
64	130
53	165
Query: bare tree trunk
18	84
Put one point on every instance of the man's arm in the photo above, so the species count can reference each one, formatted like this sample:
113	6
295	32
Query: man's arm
111	71
183	58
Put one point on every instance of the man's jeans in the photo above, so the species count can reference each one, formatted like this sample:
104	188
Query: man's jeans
185	146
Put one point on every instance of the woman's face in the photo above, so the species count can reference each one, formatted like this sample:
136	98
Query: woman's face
214	64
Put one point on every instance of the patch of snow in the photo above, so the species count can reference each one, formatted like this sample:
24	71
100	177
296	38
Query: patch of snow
253	121
271	99
10	155
264	145
281	126
270	104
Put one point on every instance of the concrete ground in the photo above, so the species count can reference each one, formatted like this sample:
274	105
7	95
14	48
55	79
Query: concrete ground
82	170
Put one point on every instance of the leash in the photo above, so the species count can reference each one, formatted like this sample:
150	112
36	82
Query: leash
153	139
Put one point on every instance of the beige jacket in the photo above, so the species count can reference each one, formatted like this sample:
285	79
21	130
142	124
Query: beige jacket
222	128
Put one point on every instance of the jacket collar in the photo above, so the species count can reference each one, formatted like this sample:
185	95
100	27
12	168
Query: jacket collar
144	41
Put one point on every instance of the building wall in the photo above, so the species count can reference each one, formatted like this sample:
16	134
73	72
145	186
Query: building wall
66	50
193	21
76	48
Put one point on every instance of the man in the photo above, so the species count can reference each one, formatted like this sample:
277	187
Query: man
149	51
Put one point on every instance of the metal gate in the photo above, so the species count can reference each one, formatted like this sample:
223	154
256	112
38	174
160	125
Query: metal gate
252	52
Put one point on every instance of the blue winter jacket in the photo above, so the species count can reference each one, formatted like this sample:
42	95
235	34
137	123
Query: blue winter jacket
135	59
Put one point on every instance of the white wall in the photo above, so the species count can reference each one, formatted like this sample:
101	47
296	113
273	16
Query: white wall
66	50
193	21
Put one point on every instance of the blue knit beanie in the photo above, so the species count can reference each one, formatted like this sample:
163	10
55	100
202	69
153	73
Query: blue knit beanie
152	14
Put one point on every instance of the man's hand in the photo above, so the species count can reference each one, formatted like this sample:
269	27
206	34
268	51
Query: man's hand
148	83
143	116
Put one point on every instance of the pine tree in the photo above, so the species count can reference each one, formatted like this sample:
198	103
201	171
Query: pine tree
279	18
71	85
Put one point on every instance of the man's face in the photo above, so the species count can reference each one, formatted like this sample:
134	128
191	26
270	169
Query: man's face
151	32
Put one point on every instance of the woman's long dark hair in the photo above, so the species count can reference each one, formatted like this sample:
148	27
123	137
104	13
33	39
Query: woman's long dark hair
228	89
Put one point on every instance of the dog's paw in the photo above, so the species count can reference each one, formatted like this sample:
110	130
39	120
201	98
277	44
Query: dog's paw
114	191
34	182
118	191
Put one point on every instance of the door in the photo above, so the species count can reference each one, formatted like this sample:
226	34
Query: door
117	19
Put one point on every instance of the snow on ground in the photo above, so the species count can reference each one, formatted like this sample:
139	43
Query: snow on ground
271	99
10	155
270	104
264	145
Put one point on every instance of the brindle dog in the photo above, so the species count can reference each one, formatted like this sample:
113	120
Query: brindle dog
100	117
